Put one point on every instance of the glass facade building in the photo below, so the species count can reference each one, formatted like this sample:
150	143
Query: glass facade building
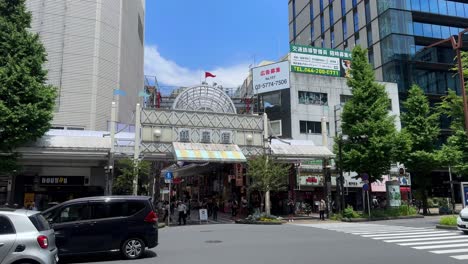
395	33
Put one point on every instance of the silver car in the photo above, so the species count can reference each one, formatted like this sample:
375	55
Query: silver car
26	237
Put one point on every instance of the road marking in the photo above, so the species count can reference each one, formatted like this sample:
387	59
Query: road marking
415	236
434	242
449	251
420	239
442	246
414	233
461	257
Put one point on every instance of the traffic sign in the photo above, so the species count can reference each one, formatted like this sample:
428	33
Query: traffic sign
365	187
169	175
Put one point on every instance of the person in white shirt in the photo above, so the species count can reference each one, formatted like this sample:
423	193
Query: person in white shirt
182	209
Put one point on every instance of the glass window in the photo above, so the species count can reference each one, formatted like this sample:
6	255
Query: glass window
424	6
434	6
206	137
303	126
445	31
418	29
354	3
39	222
436	31
415	5
345	98
343	7
427	30
345	28
6	227
356	21
452	8
466	9
460	10
311	19
273	99
310	127
312	98
371	58
332	39
184	136
369	36
322	24
356	39
442	7
321	5
368	14
74	212
332	18
454	31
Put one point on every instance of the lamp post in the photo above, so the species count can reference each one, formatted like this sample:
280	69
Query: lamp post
457	46
341	181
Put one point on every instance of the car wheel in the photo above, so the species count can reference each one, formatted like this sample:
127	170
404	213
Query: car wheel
133	248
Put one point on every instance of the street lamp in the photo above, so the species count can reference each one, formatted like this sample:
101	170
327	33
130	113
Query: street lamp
457	46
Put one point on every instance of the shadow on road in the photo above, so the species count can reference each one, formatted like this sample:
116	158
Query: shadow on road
102	257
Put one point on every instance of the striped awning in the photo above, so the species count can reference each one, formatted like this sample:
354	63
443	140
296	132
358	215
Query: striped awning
199	152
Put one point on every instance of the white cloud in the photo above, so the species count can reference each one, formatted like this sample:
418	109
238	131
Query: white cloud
170	73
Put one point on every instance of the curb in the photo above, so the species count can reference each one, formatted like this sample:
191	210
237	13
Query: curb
380	218
446	227
258	223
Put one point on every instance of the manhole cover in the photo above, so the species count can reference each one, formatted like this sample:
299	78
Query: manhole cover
213	241
206	231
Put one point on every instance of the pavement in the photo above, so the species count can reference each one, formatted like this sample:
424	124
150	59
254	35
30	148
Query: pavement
306	241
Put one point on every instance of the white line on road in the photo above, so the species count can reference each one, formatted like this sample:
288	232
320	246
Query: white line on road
420	239
449	251
414	233
415	236
442	246
461	257
434	242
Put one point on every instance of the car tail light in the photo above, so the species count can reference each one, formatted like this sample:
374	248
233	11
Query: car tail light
152	217
43	241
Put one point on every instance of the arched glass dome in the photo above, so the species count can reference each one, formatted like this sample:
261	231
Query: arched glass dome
204	98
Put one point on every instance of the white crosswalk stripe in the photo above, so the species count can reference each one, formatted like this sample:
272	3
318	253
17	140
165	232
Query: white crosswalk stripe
441	242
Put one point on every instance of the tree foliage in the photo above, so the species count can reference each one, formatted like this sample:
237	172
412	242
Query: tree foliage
125	173
26	102
267	174
373	140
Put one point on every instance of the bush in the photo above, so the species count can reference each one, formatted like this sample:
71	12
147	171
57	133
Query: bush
336	217
450	220
350	213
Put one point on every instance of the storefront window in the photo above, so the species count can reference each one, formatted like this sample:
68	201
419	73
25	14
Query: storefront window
313	98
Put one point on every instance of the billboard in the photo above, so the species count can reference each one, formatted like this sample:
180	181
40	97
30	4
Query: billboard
271	77
320	61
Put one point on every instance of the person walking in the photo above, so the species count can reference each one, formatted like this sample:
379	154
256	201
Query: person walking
291	210
244	206
215	210
322	209
234	207
182	209
166	212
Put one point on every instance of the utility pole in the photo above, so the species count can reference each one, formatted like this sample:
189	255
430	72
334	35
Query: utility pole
110	162
326	167
136	153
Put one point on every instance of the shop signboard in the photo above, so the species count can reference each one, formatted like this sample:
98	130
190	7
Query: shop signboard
271	77
311	180
61	180
203	214
320	61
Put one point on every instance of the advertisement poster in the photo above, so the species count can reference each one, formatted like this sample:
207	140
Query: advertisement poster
393	193
271	77
320	61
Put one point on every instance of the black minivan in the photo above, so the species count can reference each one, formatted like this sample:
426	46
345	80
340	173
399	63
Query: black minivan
127	224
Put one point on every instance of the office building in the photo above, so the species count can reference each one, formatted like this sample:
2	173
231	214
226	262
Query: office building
395	33
94	47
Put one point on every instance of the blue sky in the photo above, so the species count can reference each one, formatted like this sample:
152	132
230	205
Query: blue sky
184	38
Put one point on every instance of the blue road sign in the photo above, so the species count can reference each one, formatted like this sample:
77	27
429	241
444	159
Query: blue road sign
365	187
168	175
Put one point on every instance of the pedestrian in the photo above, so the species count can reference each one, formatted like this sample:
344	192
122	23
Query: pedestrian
209	204
32	206
182	209
234	207
166	212
215	210
291	210
322	209
244	206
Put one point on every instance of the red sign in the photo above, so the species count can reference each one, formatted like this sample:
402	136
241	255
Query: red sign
272	71
177	180
311	180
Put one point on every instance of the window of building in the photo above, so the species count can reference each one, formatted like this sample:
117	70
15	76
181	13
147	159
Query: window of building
276	127
345	98
369	36
442	7
206	137
184	136
75	128
357	40
368	11
371	57
311	127
343	8
313	98
355	3
58	127
332	39
272	100
321	6
452	8
355	21
322	24
311	19
226	138
140	29
345	28
332	18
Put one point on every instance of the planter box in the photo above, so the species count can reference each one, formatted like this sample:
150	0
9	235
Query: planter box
447	227
258	222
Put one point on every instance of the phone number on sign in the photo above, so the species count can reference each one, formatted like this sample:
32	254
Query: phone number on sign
315	71
271	84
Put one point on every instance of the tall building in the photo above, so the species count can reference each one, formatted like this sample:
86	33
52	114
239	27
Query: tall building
395	33
93	47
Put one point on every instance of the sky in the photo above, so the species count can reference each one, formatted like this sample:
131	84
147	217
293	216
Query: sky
185	38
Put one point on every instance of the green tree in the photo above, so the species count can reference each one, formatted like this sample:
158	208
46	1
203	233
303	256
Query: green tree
421	126
125	171
373	140
267	175
26	102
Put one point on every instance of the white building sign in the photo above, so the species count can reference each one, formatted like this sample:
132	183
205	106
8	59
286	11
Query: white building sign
271	77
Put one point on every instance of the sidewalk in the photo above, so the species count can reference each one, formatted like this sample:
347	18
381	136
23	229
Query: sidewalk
193	219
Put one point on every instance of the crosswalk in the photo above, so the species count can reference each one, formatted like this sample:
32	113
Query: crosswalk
442	242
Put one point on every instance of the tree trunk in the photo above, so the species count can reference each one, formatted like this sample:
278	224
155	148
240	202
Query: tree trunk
424	202
267	203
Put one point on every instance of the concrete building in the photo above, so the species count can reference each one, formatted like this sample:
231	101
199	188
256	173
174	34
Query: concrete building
395	33
93	48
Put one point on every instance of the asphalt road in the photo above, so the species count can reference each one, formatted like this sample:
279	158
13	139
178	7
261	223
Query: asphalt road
289	243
